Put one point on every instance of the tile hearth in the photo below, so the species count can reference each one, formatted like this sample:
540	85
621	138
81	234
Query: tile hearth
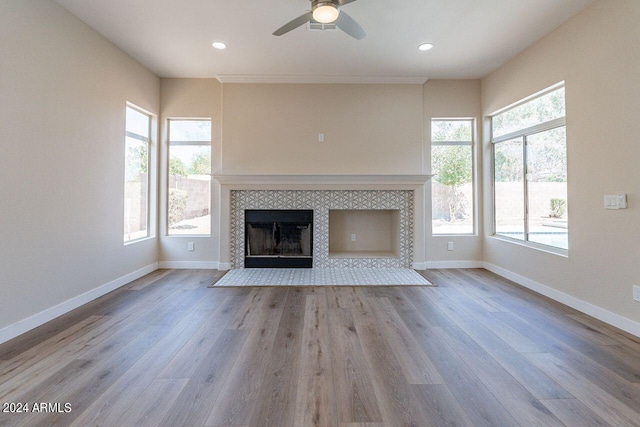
322	277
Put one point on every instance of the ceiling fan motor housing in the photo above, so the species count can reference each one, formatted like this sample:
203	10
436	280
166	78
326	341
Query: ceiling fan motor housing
317	3
325	11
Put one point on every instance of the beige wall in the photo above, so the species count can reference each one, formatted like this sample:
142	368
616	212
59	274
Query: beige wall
596	54
447	99
369	129
63	90
375	230
183	98
273	128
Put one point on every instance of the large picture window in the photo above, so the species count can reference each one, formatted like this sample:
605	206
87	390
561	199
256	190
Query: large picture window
530	171
136	174
189	192
452	184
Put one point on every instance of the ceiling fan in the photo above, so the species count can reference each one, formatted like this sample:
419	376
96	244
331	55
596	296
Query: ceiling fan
325	12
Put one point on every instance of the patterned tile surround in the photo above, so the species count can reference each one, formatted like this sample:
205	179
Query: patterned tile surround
321	201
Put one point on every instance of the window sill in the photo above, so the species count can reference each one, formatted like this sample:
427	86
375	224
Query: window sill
455	235
142	239
532	245
191	236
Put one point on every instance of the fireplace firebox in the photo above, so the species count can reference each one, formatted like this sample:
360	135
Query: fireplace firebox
276	238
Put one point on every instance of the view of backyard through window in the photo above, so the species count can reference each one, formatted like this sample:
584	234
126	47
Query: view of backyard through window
530	171
452	183
136	179
189	207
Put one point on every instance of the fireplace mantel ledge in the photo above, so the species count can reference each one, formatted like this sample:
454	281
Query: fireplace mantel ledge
322	179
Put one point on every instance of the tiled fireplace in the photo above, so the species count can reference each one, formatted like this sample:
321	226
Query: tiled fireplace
321	202
385	211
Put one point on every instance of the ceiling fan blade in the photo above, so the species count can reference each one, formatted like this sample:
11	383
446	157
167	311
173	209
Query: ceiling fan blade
349	26
343	2
292	25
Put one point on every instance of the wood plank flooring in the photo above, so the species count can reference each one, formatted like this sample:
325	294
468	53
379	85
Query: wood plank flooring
478	350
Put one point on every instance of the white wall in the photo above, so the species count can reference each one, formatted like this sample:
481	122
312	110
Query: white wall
63	90
447	99
596	54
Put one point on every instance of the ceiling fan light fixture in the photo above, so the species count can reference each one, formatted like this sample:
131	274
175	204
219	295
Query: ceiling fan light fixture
325	12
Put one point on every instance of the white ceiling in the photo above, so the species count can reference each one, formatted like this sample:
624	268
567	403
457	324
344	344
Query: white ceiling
472	37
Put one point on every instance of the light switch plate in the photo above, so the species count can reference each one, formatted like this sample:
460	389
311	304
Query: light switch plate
610	202
615	201
622	201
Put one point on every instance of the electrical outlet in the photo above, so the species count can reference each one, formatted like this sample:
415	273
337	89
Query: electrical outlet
449	246
636	293
353	237
191	246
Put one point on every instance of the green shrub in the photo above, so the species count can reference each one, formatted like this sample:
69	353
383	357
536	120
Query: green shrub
177	205
558	208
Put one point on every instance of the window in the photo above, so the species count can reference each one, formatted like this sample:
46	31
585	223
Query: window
136	174
189	194
452	184
530	171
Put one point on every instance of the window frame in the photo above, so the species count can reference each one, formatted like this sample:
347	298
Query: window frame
474	180
524	134
183	143
148	140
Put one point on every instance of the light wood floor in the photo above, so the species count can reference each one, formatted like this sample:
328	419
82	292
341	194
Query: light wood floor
477	350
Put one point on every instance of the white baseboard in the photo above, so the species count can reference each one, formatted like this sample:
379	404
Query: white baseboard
454	264
224	266
419	265
190	265
599	313
31	322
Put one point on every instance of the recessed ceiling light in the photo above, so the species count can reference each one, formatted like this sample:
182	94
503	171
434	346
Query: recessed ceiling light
219	45
425	46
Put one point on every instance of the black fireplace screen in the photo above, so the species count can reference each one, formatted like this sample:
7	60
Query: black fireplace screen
278	238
